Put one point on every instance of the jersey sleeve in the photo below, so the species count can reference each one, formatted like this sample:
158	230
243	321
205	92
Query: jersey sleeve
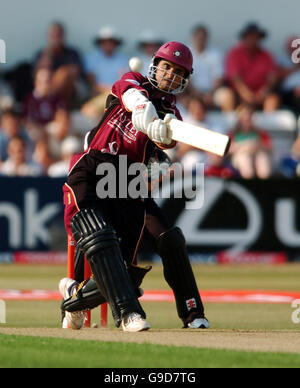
128	81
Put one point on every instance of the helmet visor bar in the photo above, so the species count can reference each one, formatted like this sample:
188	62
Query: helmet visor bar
166	81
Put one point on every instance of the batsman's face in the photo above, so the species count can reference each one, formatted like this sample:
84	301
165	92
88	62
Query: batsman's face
169	76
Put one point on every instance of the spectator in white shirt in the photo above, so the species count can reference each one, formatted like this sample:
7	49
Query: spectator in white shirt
208	77
70	146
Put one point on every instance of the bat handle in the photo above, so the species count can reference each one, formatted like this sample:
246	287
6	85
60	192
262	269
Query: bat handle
227	146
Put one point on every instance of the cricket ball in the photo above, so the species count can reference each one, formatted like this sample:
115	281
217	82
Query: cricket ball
135	64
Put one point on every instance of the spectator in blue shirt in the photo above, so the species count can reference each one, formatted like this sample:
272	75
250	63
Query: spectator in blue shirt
103	67
10	126
105	64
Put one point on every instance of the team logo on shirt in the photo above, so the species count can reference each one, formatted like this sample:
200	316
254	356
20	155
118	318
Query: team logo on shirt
113	148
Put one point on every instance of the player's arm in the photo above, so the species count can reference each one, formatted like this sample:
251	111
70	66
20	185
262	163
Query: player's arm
145	117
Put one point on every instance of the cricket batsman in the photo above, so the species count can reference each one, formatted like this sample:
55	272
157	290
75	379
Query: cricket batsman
108	231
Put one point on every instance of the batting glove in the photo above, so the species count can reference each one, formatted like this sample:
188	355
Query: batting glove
169	117
142	115
158	132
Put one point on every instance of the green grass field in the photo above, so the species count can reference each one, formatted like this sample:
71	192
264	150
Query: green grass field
26	352
36	352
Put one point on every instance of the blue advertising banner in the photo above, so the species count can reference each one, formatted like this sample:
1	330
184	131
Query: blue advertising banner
233	215
29	207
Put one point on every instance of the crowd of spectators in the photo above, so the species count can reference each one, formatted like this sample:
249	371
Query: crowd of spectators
46	106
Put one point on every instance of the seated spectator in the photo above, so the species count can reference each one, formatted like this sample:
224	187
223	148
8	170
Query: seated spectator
16	164
57	132
195	111
149	42
251	70
250	148
62	60
10	126
70	147
18	82
208	74
6	96
196	114
290	165
104	66
290	77
42	106
42	156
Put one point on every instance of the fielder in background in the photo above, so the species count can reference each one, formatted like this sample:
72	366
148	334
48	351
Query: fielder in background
108	231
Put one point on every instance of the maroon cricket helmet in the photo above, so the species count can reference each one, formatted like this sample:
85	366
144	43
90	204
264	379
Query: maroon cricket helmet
178	54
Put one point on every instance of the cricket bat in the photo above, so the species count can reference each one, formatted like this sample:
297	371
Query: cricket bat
199	137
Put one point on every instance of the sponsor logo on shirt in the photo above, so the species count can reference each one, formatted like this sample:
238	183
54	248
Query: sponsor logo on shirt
122	123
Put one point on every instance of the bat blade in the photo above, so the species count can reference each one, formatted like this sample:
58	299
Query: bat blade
199	137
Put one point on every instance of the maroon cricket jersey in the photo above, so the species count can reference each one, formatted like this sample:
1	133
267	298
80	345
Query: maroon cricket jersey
116	134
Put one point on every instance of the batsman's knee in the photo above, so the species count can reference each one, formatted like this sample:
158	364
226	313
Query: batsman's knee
171	240
92	232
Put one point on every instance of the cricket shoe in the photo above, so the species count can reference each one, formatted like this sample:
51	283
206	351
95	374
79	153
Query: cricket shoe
75	320
196	320
133	322
199	323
